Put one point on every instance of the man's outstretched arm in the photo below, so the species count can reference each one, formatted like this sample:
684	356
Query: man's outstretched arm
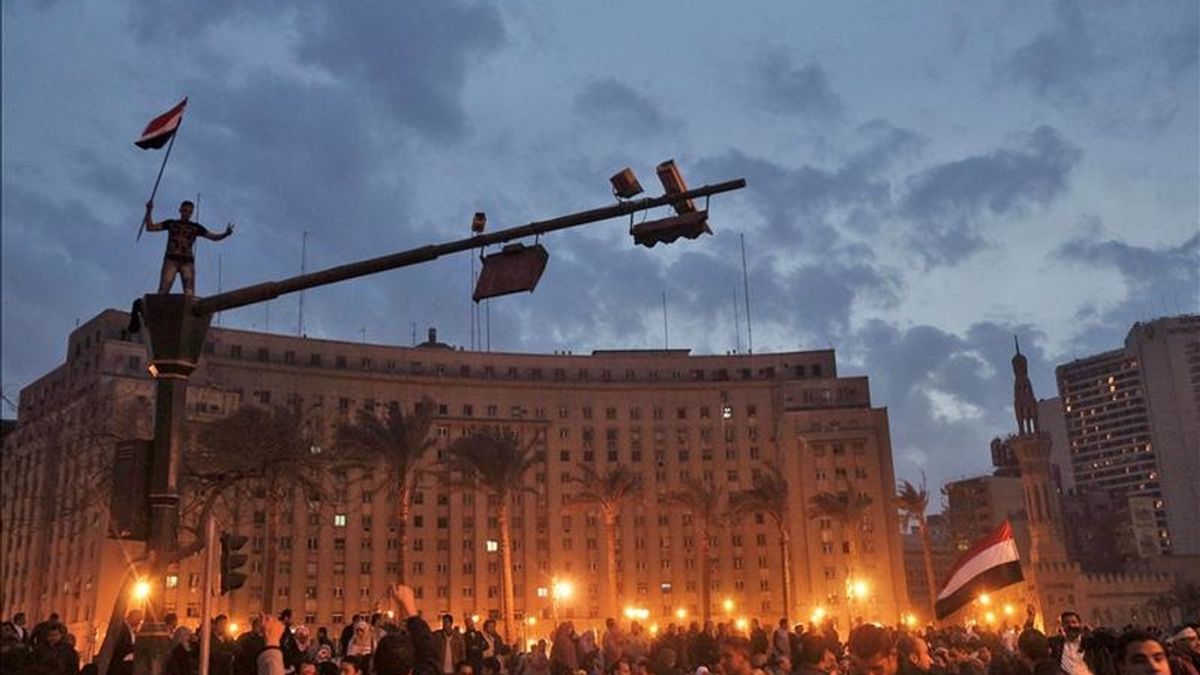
148	219
218	237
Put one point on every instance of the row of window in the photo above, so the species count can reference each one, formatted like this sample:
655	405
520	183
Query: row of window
366	363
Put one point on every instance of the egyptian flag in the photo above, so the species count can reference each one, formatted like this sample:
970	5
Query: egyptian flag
991	564
162	128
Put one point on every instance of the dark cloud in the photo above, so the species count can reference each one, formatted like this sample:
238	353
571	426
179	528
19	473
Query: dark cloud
947	202
1057	63
1158	281
953	392
787	89
414	55
617	106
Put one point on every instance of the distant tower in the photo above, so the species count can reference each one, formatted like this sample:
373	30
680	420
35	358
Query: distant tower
1049	573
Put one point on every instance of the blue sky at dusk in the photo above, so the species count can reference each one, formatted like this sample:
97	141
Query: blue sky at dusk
925	180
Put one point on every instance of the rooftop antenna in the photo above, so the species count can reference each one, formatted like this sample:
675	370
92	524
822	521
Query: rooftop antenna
303	267
746	285
666	335
1017	343
363	330
737	324
220	267
414	333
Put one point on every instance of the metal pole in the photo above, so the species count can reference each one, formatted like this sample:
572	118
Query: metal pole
210	545
273	289
746	285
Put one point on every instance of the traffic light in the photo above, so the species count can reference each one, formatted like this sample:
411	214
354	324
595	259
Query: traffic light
231	561
667	230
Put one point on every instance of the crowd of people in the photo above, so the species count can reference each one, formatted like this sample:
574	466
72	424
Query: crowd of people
404	644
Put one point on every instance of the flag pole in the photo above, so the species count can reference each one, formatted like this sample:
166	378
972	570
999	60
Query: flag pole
161	167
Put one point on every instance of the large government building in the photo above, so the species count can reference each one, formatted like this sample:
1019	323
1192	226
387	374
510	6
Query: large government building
668	414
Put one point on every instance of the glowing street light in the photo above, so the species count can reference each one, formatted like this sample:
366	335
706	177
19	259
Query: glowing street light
990	617
141	590
474	618
563	590
681	614
909	620
818	614
741	623
727	605
1008	609
532	620
858	589
233	628
985	599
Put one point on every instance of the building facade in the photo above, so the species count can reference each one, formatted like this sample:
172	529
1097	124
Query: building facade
1133	424
670	415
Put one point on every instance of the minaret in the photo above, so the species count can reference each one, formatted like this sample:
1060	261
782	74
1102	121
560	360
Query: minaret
1050	575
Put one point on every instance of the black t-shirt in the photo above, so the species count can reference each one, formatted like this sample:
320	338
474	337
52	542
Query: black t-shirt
181	237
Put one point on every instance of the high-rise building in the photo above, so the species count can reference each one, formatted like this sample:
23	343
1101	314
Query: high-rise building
672	416
1133	423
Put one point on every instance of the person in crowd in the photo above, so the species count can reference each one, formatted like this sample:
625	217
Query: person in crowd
781	640
363	642
39	631
347	634
735	656
815	656
1140	653
53	654
914	656
22	631
324	661
352	665
613	642
221	648
474	644
1067	647
564	655
184	657
1184	648
122	658
14	652
449	645
249	645
872	651
495	643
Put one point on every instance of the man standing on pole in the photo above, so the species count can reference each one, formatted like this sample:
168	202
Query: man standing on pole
179	259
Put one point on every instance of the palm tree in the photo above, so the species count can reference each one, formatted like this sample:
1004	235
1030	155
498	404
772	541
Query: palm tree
399	443
610	492
847	511
706	503
494	462
913	502
769	495
264	449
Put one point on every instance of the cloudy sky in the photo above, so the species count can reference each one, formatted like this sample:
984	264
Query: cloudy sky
925	179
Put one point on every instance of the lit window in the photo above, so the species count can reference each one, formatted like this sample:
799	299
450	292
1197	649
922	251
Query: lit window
492	546
339	520
543	592
172	581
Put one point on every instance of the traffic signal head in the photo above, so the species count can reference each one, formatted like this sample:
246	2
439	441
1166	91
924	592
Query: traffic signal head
673	184
667	230
231	561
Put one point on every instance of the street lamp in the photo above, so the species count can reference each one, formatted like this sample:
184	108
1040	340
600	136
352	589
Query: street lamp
727	605
681	614
141	590
560	591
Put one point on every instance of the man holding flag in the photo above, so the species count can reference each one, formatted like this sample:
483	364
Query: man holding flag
179	260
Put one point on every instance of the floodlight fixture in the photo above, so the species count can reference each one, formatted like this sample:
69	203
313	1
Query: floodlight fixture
625	184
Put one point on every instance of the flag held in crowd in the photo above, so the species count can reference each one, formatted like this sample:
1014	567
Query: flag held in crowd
990	564
162	128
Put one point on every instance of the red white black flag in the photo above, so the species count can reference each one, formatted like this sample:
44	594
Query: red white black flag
990	564
162	128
